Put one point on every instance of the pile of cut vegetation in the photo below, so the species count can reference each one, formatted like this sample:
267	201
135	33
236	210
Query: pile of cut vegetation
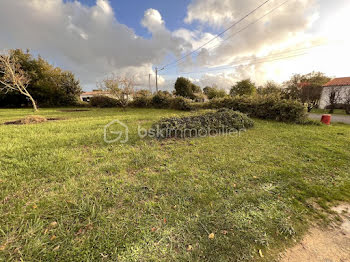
223	121
30	120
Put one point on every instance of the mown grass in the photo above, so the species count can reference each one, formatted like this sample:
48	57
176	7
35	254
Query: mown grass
326	111
151	200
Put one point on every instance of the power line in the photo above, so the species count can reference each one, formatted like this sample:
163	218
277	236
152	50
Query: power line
265	57
274	57
255	63
254	22
199	48
246	27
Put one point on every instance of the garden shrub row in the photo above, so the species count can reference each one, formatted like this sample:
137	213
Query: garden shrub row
104	102
211	123
263	107
160	100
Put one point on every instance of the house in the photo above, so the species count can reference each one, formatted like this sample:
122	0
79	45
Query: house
340	88
86	96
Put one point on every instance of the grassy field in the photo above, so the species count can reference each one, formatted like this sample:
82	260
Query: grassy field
66	195
326	111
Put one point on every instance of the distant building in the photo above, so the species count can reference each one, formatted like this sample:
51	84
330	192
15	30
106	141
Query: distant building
341	85
86	96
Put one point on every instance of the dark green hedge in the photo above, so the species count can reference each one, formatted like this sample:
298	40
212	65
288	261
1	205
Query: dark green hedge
263	107
104	102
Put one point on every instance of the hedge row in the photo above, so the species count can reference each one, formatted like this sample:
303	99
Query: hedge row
104	102
162	101
224	121
157	101
263	107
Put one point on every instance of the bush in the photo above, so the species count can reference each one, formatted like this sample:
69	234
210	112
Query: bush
180	103
264	107
82	104
185	88
142	102
104	101
222	121
161	100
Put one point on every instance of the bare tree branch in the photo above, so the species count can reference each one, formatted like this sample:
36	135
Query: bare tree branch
13	77
123	88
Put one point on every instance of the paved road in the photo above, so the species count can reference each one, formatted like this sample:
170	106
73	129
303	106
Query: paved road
335	118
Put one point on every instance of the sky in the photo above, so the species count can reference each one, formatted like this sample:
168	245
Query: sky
96	38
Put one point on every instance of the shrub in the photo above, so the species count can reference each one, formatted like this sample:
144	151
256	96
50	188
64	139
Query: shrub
104	101
224	120
243	88
184	87
180	103
161	100
264	107
141	102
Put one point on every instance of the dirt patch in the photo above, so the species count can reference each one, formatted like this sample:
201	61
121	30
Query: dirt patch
31	120
324	245
74	110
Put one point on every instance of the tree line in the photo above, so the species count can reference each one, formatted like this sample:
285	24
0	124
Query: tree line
26	80
305	88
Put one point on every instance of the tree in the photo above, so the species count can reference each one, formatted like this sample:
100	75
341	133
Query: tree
49	85
270	88
185	88
306	88
68	88
14	78
334	97
245	87
123	88
214	92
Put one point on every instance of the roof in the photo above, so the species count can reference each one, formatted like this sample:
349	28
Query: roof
303	84
95	93
343	81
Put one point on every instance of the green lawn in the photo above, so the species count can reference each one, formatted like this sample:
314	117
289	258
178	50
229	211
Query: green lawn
326	111
66	195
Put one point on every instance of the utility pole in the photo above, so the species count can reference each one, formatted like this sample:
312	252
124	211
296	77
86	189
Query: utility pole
157	79
149	83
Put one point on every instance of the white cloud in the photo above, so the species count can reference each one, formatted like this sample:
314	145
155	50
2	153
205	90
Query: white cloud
90	41
86	40
290	27
153	20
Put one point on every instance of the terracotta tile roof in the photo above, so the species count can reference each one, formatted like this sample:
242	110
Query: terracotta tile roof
343	81
303	84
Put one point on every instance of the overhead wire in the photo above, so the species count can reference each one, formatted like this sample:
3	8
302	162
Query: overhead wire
217	36
280	54
244	28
